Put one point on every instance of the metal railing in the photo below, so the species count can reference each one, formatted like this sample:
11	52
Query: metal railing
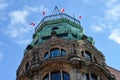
57	16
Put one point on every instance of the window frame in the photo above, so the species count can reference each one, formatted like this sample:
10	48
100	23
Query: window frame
88	55
61	75
61	52
55	52
90	76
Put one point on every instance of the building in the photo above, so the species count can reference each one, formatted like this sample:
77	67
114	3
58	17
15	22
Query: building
115	72
61	51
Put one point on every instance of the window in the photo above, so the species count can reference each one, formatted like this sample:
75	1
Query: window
46	55
66	76
55	53
82	53
55	76
90	76
63	52
88	55
54	28
74	35
93	77
62	35
46	77
46	37
27	66
86	76
95	59
59	75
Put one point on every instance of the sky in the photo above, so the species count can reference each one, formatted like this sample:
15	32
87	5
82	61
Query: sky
100	20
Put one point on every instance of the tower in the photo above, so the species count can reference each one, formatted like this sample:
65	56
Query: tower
61	51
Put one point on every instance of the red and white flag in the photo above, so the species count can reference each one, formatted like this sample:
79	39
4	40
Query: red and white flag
62	10
43	13
80	17
32	24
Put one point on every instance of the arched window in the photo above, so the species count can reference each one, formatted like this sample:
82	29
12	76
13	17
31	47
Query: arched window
58	75
90	76
55	53
88	55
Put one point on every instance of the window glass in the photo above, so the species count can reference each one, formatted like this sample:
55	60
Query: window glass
95	59
55	52
74	35
46	78
82	53
86	76
88	55
27	66
46	55
55	76
62	35
54	28
66	76
46	37
63	52
93	77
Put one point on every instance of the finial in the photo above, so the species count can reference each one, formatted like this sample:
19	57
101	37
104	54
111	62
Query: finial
56	11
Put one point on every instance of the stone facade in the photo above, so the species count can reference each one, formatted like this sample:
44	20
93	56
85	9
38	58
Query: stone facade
34	65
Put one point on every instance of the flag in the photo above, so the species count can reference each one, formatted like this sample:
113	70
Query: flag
80	17
43	13
62	10
32	24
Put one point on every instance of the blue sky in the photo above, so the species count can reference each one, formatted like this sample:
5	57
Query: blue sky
100	20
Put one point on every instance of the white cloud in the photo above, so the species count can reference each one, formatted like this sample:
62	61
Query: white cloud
19	29
3	5
19	34
97	28
110	18
18	16
113	10
115	35
23	41
33	9
113	13
111	3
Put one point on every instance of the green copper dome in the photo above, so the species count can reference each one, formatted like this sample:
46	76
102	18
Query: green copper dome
64	26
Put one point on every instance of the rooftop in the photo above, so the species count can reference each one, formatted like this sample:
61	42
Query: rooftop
56	14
